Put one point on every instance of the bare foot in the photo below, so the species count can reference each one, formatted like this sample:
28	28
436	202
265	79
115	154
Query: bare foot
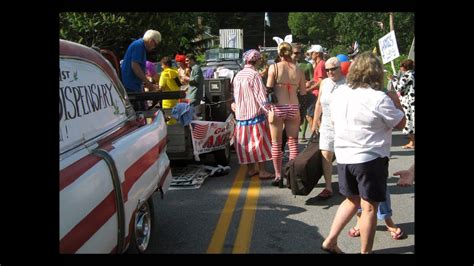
396	232
408	146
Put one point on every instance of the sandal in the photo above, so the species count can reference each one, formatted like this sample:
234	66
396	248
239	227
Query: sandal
354	232
325	194
333	250
278	182
396	234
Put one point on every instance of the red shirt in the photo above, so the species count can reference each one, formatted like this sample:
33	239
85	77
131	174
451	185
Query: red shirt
319	74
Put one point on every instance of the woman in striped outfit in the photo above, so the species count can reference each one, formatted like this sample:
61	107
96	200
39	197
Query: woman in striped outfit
252	135
285	77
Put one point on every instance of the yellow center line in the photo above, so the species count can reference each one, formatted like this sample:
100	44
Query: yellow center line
218	238
244	233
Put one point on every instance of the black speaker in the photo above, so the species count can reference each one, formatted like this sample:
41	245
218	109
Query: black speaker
218	97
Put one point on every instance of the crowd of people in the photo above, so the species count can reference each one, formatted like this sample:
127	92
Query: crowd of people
347	107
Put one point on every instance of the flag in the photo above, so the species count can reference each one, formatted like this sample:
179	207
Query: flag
267	19
199	131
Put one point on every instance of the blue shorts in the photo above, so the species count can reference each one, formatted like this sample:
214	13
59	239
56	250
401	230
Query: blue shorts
367	180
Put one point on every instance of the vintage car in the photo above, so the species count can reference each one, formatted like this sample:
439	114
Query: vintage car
111	160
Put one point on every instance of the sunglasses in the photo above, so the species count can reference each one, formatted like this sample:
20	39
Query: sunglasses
297	52
331	69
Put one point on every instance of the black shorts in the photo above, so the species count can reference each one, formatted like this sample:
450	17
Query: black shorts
368	180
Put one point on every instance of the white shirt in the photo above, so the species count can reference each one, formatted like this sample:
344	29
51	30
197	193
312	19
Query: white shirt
363	120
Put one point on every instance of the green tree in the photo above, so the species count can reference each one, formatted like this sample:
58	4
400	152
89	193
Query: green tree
337	31
313	27
115	31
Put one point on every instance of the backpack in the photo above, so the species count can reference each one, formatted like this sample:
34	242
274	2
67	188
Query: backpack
304	172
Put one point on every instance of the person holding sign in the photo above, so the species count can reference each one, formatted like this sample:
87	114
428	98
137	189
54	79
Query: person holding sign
405	86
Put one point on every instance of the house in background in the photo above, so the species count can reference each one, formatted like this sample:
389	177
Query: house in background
205	40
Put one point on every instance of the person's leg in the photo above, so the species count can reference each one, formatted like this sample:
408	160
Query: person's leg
310	121
372	186
276	128
304	127
411	142
284	139
355	231
327	168
292	128
367	225
384	212
344	214
263	173
251	169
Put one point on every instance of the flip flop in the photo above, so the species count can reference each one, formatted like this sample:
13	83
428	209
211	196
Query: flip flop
333	250
325	194
397	234
354	232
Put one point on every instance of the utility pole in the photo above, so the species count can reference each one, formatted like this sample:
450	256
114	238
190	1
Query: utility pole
264	24
391	28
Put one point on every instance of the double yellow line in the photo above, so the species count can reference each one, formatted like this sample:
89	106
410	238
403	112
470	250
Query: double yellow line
244	232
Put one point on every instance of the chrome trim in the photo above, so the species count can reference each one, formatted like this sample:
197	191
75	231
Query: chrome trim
118	197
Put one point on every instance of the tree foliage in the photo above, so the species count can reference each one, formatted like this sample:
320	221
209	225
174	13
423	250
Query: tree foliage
313	27
337	31
115	31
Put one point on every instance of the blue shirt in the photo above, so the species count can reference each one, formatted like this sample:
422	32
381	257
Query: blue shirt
136	52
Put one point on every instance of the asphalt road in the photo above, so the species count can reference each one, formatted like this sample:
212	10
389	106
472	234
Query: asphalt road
237	214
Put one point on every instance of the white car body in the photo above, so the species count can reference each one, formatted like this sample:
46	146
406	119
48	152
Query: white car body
110	160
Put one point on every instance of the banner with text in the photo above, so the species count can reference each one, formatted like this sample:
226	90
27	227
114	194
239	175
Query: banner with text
208	136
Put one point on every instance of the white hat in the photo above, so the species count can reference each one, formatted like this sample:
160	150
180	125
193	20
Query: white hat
315	48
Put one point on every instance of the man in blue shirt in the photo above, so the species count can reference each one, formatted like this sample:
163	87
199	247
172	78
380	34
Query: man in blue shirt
134	65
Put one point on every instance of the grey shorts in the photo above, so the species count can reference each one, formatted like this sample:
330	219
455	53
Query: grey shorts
368	180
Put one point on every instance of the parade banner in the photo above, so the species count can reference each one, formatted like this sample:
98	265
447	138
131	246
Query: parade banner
208	136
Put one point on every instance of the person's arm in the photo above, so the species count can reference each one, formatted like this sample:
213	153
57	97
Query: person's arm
407	177
194	76
396	101
317	114
141	75
271	76
302	82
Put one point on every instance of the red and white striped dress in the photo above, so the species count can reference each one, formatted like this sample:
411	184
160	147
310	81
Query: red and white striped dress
252	139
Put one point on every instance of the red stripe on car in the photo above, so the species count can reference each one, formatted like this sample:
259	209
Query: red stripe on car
87	227
133	173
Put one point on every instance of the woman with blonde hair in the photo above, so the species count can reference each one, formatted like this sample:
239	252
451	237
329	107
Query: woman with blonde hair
285	77
363	117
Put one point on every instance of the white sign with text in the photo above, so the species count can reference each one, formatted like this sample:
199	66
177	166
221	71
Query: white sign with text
388	47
